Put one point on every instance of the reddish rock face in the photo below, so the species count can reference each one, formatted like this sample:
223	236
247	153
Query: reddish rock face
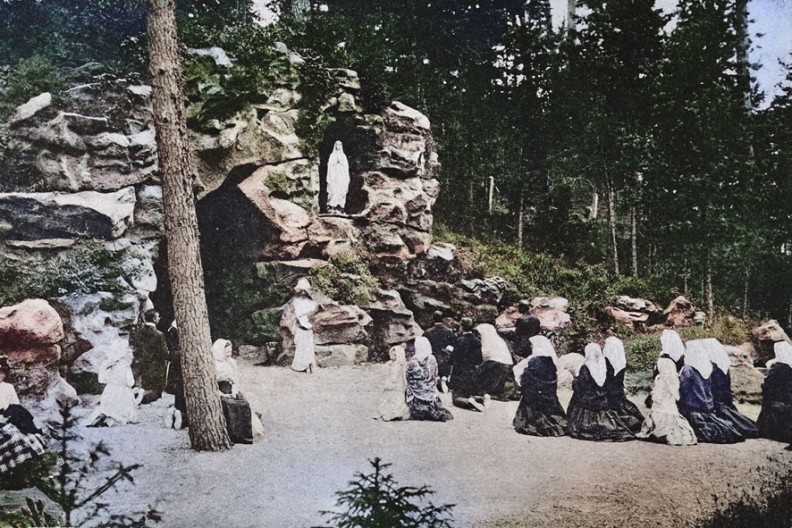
764	336
30	323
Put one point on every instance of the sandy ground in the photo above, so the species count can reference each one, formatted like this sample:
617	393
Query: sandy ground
320	431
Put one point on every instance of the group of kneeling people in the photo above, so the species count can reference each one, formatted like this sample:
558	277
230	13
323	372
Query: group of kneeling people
691	398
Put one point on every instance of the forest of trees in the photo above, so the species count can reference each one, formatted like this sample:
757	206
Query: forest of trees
628	139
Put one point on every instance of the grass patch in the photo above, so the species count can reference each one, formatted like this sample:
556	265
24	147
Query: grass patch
346	279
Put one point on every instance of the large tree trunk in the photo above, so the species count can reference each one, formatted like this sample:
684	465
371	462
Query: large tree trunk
207	424
708	289
744	42
520	219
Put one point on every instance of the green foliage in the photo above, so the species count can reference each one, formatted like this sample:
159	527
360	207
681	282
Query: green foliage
345	279
28	78
642	351
728	330
72	485
375	500
88	267
243	302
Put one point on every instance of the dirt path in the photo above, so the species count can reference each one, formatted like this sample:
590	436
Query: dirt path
319	432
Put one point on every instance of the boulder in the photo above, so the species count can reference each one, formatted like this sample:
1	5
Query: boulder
551	312
633	311
393	322
680	313
624	317
91	214
437	263
764	337
31	323
742	355
746	383
340	324
483	291
568	366
341	355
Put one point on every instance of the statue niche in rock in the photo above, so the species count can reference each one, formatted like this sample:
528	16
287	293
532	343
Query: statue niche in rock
337	179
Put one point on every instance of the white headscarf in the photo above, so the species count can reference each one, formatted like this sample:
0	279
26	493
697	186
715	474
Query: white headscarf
717	354
493	347
595	362
698	358
225	365
219	349
783	354
542	347
614	352
423	349
672	344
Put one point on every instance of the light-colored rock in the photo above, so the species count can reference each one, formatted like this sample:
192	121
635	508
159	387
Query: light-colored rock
148	207
556	303
483	291
551	319
571	362
57	215
625	317
742	355
346	103
30	108
44	243
341	355
746	384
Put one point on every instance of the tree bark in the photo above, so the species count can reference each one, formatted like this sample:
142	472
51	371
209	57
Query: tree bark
520	219
708	289
570	17
745	292
612	226
207	423
634	239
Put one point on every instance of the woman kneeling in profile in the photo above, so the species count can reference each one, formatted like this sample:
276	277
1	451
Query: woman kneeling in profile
423	399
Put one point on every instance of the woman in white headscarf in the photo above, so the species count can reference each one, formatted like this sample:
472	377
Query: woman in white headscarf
242	423
496	367
394	405
337	178
672	348
775	420
721	389
616	367
304	307
695	398
539	412
590	418
117	405
664	423
423	399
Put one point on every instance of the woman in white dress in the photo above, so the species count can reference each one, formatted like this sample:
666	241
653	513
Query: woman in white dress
394	405
304	307
337	179
664	423
117	405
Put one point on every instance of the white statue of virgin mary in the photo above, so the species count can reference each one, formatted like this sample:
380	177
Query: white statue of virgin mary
337	178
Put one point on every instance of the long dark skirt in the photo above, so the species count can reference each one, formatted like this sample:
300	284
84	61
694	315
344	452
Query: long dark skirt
540	419
775	421
629	414
21	419
711	429
598	425
744	425
492	377
429	410
238	419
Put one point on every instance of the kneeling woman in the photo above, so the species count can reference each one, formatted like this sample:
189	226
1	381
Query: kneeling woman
616	363
539	412
590	417
696	403
721	390
423	399
242	424
775	420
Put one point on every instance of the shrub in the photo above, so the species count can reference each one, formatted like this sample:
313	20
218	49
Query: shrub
28	78
375	500
642	351
346	279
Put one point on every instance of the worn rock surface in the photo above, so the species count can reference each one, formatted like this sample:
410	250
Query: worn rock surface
764	337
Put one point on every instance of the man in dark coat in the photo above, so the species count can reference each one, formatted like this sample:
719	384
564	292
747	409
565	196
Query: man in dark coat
150	358
465	360
442	340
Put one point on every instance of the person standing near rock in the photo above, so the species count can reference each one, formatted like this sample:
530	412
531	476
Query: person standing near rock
150	358
304	307
337	179
465	360
443	340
